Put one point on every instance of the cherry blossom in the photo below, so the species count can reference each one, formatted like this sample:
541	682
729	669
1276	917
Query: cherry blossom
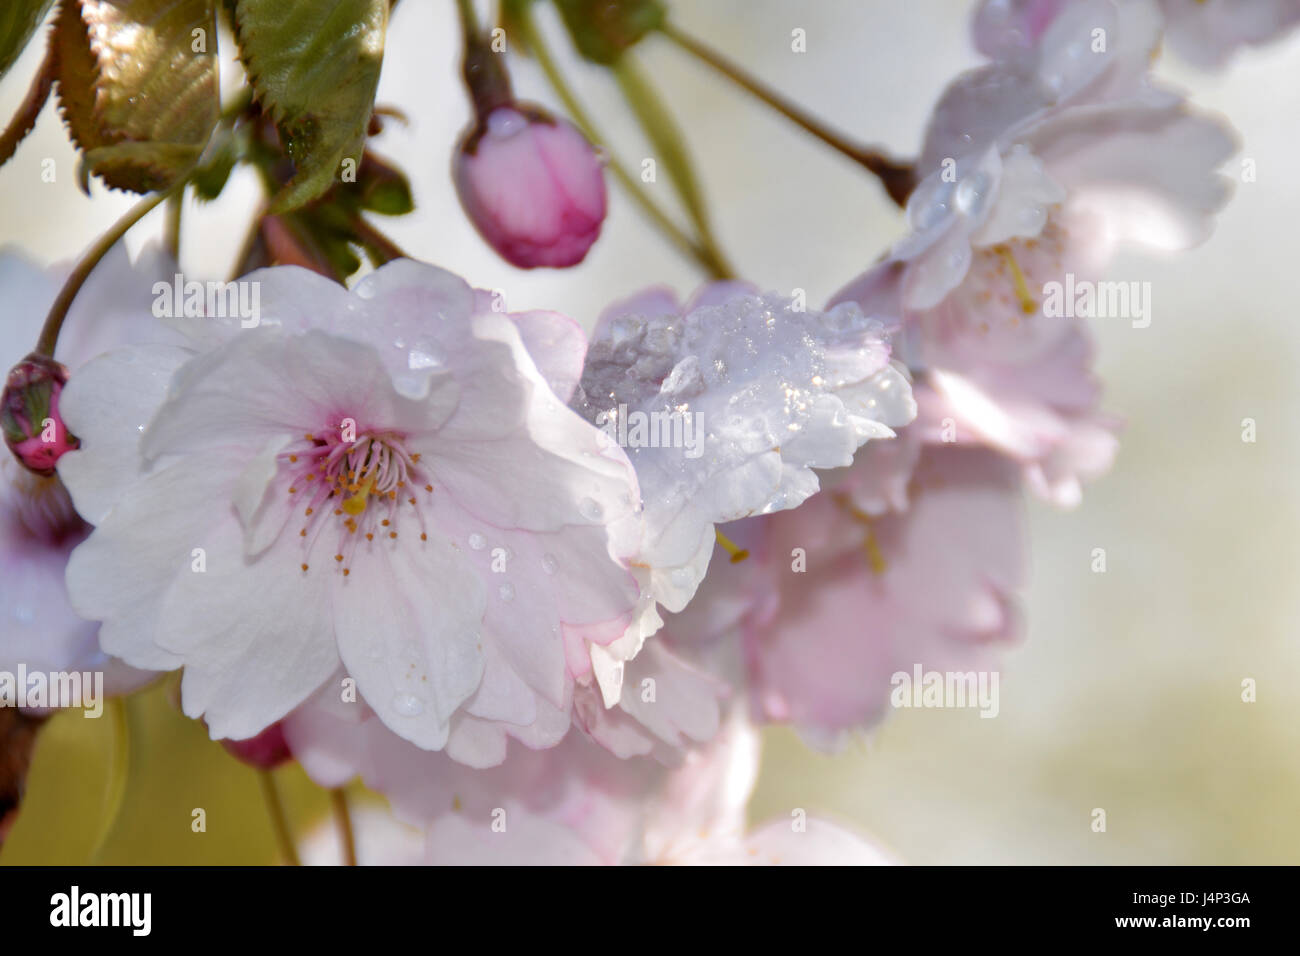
574	804
1206	33
380	479
744	395
990	371
1069	132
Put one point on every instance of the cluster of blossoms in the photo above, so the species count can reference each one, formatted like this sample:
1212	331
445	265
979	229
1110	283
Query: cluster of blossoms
394	532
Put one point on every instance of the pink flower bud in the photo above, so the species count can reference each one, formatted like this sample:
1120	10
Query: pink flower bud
29	413
266	751
532	185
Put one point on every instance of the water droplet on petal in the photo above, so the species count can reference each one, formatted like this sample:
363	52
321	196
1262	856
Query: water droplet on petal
972	192
418	359
549	563
591	509
477	541
408	705
506	591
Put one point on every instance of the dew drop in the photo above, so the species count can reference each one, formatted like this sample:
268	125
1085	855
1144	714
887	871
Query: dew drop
506	591
972	192
549	563
408	705
418	359
477	541
591	509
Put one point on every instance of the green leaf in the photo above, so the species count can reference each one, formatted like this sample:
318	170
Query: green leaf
138	86
141	167
384	188
314	67
211	175
18	21
665	137
603	29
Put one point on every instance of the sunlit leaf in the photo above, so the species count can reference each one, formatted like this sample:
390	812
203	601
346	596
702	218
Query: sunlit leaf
315	67
138	86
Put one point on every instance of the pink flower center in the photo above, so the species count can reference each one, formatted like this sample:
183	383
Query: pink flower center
997	315
363	479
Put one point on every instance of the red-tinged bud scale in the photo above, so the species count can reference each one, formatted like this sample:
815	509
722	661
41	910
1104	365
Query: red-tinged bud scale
265	751
29	413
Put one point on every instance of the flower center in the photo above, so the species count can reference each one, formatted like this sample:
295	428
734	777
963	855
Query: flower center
998	313
870	546
364	479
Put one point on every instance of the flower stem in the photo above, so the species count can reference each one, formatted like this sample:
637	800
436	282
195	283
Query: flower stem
468	18
172	227
279	822
375	241
898	178
343	820
667	140
710	260
119	771
59	311
483	69
252	251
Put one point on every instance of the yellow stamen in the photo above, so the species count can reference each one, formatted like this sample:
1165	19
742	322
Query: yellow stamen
1027	303
737	553
875	557
357	503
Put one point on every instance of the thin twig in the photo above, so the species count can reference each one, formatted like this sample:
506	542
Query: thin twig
59	311
343	820
30	108
279	821
899	179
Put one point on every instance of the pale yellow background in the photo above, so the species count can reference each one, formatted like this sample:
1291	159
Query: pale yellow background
1126	692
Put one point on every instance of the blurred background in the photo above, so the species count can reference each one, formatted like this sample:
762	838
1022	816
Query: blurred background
1126	692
